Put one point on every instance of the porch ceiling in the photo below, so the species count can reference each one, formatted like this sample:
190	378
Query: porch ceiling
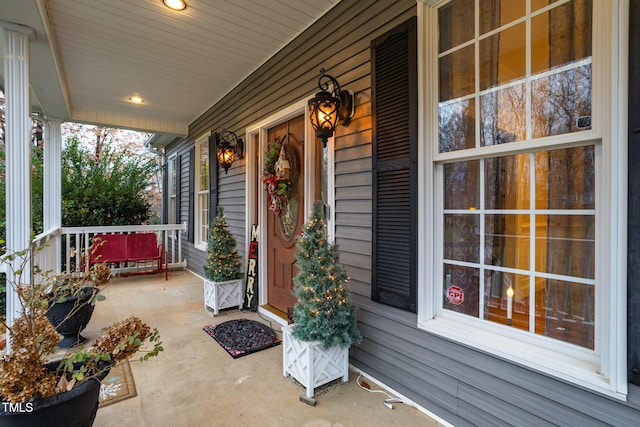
89	56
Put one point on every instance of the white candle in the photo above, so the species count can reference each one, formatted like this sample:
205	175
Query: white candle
509	305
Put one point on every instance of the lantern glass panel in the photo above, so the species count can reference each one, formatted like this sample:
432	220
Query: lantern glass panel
226	156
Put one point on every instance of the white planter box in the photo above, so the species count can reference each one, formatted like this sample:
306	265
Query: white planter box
219	295
310	364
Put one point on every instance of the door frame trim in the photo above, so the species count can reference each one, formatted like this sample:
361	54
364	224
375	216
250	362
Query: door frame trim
252	188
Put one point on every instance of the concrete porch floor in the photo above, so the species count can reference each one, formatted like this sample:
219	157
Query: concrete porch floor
194	382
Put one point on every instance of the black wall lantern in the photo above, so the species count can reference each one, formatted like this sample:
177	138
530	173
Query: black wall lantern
328	109
228	147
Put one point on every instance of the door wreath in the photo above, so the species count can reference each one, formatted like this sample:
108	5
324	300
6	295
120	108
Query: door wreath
280	172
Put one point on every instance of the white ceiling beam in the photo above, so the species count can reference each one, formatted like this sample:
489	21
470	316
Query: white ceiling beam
129	121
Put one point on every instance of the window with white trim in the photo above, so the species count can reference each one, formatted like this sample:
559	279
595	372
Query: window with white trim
518	160
173	189
202	193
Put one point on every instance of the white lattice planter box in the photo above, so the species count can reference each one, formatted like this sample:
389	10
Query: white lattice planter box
219	295
310	364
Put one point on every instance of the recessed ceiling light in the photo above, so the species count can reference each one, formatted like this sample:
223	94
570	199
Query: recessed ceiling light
175	4
136	99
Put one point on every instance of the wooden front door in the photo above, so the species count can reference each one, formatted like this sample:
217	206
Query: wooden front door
284	227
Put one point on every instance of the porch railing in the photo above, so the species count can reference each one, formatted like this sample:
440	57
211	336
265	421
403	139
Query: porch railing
47	255
77	243
63	249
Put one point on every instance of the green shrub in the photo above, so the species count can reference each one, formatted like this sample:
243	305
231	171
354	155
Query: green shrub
109	189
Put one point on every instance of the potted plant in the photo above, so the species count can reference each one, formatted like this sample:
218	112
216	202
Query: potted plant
35	391
316	346
72	298
223	283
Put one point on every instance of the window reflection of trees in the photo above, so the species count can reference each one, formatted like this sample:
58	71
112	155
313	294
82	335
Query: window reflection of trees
559	100
461	188
503	115
518	104
457	126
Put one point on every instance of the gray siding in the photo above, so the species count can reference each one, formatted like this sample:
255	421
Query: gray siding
231	195
464	386
474	387
195	257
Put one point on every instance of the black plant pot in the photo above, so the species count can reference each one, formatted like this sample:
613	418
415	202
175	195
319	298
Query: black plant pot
71	326
74	408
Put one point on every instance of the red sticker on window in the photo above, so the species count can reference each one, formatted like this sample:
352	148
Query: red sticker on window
455	295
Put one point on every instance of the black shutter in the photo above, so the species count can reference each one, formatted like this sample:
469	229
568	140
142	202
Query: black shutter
395	127
178	212
192	200
213	178
633	230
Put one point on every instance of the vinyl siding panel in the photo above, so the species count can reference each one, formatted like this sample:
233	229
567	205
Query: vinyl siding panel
509	389
357	247
353	193
463	386
361	179
359	288
352	219
231	195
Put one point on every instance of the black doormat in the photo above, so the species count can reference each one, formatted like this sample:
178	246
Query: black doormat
242	336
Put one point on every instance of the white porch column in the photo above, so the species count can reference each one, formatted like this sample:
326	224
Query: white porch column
52	197
18	152
52	174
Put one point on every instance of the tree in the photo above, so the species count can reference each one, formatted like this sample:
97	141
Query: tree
223	261
323	311
97	138
109	189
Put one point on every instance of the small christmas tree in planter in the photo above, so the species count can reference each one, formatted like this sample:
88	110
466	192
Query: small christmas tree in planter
316	347
223	283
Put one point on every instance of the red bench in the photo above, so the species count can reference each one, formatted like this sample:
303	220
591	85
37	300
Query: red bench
129	248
